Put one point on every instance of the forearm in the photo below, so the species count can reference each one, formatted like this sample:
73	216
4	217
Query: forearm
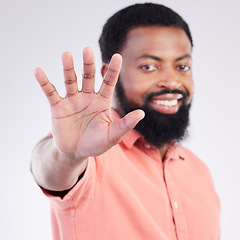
54	170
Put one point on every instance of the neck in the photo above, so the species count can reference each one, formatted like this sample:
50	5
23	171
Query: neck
163	151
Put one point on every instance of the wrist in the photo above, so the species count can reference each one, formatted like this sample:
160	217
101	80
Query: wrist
71	158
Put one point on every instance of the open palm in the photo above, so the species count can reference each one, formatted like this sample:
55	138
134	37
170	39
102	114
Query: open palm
81	121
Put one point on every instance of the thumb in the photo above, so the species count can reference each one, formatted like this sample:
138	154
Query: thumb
128	122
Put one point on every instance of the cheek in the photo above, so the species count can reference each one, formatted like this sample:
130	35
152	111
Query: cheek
134	87
136	91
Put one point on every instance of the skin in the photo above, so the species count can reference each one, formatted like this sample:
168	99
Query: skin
155	59
81	121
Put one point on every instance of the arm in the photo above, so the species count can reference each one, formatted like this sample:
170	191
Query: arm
52	169
81	123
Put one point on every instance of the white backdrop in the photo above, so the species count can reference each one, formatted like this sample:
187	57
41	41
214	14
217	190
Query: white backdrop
35	33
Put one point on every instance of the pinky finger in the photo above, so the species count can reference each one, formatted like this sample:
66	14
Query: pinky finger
47	87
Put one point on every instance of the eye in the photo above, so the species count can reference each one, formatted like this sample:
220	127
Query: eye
149	67
183	68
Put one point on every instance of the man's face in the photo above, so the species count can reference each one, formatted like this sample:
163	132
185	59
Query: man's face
156	76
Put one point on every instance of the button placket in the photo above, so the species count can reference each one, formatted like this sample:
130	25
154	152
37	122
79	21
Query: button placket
175	204
174	197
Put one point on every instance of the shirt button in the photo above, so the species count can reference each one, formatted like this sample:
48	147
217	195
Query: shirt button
175	204
147	145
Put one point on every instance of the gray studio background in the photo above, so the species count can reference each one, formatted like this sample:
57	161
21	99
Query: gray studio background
35	33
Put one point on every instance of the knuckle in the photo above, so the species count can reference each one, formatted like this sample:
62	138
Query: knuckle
71	94
107	82
88	91
102	95
113	71
68	69
44	84
49	94
69	81
88	76
88	64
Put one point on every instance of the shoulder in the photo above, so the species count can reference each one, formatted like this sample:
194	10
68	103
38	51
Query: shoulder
191	159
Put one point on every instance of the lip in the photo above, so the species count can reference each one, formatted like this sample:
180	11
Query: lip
167	103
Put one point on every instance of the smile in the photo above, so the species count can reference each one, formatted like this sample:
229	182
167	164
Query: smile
167	103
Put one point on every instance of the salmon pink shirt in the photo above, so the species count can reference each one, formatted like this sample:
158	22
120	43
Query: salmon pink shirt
129	193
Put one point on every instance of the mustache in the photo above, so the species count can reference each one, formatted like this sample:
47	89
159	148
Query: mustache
166	91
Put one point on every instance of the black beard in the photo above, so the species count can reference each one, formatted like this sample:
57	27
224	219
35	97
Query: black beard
158	128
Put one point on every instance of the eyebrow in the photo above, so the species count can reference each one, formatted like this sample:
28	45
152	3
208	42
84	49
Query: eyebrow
183	57
149	56
160	59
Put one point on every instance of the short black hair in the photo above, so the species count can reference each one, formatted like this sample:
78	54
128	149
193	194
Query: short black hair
116	28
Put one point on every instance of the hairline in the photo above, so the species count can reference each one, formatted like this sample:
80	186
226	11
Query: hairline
145	26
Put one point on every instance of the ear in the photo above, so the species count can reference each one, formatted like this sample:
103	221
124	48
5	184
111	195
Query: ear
104	69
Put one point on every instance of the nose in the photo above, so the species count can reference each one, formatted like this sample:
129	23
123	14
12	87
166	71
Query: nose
168	79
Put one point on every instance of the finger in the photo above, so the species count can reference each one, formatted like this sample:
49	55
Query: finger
47	87
128	122
88	77
69	74
111	77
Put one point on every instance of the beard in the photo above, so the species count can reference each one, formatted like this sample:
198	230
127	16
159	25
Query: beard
158	128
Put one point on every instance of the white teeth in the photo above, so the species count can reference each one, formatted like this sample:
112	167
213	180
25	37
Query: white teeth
167	103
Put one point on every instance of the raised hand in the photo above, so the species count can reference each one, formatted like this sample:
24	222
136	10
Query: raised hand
81	121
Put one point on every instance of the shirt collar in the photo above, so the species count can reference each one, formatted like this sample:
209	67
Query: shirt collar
175	151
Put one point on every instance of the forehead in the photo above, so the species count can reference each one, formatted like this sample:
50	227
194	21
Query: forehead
159	41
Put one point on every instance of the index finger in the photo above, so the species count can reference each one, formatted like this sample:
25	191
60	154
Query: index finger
111	77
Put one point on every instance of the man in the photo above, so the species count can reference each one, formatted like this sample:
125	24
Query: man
105	180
